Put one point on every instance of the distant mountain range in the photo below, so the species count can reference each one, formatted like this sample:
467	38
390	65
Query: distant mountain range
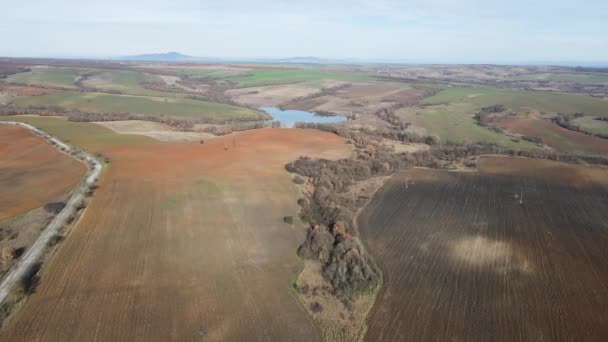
179	57
161	57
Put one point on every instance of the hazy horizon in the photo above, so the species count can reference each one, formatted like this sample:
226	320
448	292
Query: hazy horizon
432	31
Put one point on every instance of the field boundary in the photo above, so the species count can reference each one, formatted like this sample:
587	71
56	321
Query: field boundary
33	254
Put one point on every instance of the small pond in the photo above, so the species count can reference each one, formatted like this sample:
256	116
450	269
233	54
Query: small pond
289	117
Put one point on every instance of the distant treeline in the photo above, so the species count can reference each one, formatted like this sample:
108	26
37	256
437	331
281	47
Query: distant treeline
82	116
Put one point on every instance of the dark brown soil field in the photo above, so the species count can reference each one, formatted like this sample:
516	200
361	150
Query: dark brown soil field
183	242
464	260
32	172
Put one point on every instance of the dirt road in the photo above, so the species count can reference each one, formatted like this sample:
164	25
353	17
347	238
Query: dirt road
33	254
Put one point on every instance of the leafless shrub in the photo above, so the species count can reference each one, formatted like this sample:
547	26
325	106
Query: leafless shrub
315	307
29	281
54	207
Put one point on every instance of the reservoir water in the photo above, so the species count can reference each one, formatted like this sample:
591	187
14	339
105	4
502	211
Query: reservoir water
289	117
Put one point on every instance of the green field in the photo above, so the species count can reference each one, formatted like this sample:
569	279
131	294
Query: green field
105	80
279	76
454	123
450	116
85	135
50	77
218	73
516	99
268	76
172	107
123	81
582	78
591	125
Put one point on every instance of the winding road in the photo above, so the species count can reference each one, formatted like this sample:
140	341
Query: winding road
23	264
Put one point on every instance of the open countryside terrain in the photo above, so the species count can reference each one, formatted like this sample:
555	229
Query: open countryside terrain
449	115
554	136
32	173
595	78
195	235
35	179
49	77
464	260
255	76
171	107
120	91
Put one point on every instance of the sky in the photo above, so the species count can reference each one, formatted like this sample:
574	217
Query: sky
459	31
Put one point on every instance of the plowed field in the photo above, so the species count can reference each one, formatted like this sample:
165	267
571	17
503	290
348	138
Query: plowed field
464	260
553	135
32	172
183	242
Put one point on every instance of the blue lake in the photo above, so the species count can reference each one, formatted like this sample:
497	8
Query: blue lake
289	117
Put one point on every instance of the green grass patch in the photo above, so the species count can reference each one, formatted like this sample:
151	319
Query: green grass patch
515	99
124	81
85	135
49	77
453	123
172	107
214	73
106	80
590	125
266	76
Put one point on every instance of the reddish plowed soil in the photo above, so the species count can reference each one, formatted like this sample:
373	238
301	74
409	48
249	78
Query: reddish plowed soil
407	95
32	172
25	90
464	260
557	137
183	242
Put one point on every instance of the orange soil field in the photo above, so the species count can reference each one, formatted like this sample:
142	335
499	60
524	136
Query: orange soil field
557	137
183	241
465	261
32	172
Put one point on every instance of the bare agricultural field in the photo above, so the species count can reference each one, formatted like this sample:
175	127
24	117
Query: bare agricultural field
362	99
269	95
154	130
32	172
195	248
18	90
465	260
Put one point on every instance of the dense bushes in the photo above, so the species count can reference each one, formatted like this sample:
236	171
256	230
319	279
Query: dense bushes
565	120
388	114
237	127
483	113
532	139
350	269
29	280
54	207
